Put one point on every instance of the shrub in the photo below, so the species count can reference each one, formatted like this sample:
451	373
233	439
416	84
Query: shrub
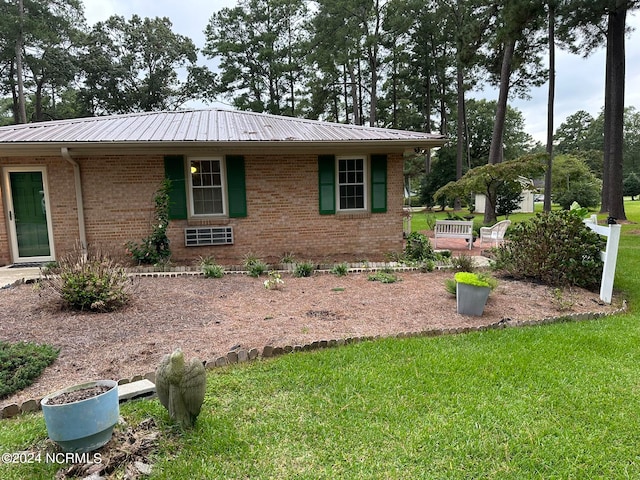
463	263
304	269
155	248
274	282
91	282
418	248
213	271
254	266
555	248
470	279
210	268
383	277
509	196
340	269
288	257
631	185
21	363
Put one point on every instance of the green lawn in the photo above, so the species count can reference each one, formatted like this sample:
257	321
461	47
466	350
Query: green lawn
558	401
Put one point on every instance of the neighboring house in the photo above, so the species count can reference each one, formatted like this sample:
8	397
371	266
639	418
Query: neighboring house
241	183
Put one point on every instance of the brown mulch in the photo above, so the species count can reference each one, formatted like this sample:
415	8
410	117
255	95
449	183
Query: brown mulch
208	318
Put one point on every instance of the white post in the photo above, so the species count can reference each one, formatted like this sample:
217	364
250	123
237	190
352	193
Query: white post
609	256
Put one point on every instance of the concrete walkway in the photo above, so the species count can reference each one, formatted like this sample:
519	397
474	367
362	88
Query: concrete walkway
10	276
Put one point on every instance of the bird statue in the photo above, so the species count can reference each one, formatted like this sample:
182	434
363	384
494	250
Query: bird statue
180	387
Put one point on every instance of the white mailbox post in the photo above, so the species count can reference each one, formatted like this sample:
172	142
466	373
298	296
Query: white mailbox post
609	256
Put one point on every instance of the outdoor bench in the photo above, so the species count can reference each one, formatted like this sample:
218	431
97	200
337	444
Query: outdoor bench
453	229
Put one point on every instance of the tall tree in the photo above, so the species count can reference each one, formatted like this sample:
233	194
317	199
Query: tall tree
44	36
596	22
551	6
613	199
261	47
133	66
347	41
518	43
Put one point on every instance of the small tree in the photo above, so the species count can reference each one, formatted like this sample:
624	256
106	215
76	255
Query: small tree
487	180
632	185
509	197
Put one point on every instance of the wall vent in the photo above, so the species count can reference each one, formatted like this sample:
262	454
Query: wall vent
199	236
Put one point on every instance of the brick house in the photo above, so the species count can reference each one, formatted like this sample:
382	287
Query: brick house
241	182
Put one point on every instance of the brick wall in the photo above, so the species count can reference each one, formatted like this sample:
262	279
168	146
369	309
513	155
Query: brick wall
282	207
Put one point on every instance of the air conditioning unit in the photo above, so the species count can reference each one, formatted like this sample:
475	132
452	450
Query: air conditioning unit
199	236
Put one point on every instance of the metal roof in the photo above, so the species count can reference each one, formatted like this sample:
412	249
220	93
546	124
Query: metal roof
204	127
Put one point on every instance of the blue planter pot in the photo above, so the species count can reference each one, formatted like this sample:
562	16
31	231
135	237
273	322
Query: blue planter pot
84	425
471	299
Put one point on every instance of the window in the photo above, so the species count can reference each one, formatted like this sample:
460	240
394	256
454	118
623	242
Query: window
351	183
207	194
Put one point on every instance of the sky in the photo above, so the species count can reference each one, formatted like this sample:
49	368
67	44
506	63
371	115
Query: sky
579	81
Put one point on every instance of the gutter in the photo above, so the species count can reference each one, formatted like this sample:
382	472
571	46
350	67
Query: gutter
64	151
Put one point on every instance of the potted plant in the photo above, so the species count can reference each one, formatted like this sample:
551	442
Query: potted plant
81	418
472	292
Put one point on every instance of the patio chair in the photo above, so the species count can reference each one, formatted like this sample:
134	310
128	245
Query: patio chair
494	234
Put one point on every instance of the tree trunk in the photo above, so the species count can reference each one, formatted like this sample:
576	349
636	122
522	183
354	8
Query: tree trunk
427	116
22	109
495	151
460	126
616	62
550	107
496	148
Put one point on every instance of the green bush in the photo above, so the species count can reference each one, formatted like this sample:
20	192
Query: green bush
21	363
383	276
254	266
304	269
213	271
340	269
463	263
555	248
91	282
418	248
210	268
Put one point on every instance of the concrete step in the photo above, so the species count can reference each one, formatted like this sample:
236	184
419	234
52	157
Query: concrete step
139	389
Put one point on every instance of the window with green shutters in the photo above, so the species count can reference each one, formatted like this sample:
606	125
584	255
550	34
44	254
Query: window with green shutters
200	190
351	183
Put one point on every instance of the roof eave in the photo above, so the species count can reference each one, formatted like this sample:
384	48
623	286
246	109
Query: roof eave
218	147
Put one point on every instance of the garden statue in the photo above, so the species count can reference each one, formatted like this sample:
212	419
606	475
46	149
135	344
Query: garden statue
180	387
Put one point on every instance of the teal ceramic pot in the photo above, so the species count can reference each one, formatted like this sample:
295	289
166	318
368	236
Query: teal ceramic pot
471	299
84	425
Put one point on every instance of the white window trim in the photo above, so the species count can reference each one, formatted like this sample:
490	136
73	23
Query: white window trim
366	182
223	173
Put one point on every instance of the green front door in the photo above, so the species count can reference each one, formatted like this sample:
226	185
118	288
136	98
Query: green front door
30	214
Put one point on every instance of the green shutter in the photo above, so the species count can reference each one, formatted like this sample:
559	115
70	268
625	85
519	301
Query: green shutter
174	171
378	183
236	187
327	184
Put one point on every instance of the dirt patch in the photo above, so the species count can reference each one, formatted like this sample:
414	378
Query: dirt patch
78	395
209	317
129	451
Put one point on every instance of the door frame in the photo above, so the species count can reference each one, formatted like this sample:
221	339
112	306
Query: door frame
10	217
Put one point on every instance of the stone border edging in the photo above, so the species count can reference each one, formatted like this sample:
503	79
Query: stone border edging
241	355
